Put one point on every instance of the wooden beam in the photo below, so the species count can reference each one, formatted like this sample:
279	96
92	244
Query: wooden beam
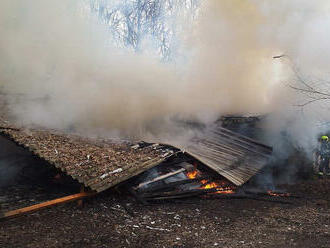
163	187
181	192
162	177
30	209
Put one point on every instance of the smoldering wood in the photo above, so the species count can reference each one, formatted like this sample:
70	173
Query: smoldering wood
263	193
170	185
249	197
188	195
181	192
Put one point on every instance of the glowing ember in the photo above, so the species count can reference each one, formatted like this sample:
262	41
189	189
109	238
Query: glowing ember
220	187
277	194
225	191
211	185
203	181
192	174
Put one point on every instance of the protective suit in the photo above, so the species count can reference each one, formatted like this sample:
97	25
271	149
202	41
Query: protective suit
324	150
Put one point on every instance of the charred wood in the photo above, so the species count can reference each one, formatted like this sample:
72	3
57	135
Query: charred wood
256	198
180	193
137	196
170	185
162	177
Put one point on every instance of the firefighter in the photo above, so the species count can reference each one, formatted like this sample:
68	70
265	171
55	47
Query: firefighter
324	156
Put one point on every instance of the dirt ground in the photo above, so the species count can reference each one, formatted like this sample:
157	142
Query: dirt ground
110	220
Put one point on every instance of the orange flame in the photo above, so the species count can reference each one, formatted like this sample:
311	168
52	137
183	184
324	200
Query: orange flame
211	185
221	187
192	174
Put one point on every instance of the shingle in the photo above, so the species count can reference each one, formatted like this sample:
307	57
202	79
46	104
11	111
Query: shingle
97	164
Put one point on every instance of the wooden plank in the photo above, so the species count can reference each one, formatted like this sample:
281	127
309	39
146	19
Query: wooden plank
193	194
30	209
174	184
181	192
162	177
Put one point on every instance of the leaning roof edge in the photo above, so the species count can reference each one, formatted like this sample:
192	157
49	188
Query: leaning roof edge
101	164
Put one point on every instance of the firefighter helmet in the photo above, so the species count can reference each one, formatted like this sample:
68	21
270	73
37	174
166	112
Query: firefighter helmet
325	138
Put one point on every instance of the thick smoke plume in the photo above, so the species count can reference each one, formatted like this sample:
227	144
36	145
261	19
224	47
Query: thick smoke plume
66	73
61	70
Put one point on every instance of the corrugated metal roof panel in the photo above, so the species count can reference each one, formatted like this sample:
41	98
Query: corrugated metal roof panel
232	155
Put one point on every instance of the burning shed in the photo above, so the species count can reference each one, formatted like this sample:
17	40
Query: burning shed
99	164
102	163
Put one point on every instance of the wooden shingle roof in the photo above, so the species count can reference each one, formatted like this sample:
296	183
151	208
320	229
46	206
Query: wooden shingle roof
98	164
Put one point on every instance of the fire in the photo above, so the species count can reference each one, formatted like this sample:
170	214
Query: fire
192	174
226	190
221	188
203	181
211	185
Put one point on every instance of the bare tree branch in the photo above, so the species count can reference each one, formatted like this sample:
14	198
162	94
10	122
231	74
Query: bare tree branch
130	21
312	101
311	89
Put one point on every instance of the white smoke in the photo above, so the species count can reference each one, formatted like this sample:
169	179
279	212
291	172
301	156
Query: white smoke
72	77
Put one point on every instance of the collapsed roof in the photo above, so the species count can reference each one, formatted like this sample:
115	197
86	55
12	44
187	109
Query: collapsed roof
103	163
234	156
